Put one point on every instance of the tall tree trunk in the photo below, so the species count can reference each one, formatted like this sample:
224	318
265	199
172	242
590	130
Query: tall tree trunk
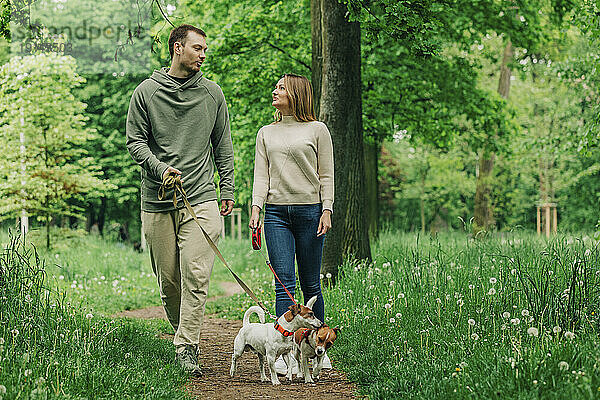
483	213
372	188
317	51
341	110
102	215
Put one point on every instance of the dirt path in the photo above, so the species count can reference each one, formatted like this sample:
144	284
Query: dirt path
215	356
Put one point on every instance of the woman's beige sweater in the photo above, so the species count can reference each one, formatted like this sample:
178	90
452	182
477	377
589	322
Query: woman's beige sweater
293	164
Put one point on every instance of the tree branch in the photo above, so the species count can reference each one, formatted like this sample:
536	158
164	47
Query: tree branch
288	54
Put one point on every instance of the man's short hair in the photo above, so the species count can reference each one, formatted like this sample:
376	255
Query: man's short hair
179	34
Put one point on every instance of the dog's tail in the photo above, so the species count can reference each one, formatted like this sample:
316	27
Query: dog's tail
254	309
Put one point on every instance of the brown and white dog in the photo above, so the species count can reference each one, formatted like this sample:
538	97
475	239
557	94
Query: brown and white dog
310	343
272	340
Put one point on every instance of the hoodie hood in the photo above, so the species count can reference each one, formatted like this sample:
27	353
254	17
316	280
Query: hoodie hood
162	78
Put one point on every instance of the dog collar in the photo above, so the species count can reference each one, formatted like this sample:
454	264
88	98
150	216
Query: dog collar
282	330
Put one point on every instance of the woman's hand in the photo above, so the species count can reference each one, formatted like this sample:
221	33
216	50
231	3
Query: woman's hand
254	218
324	223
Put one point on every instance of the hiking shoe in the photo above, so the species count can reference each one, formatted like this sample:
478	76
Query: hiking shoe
188	359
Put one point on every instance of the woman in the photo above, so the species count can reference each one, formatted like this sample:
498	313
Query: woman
293	176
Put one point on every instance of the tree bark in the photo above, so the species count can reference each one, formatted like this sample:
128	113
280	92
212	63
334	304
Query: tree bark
372	188
341	111
483	213
317	52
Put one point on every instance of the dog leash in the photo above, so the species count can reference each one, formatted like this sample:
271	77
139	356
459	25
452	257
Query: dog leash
173	181
256	245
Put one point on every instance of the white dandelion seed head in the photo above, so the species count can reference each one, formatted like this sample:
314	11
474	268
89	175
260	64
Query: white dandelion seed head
493	280
515	321
492	291
513	271
398	315
471	286
321	276
525	312
563	366
569	335
557	329
371	287
89	316
460	302
474	336
387	306
2	390
386	265
392	320
27	372
328	275
400	295
533	331
471	322
392	283
506	315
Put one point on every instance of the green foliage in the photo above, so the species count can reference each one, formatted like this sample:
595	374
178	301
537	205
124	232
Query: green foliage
50	167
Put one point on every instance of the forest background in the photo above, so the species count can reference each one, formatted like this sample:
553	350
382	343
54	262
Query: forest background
479	109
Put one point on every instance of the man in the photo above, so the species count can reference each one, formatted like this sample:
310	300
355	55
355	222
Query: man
178	123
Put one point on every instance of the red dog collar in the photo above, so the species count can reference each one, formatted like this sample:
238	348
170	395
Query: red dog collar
281	330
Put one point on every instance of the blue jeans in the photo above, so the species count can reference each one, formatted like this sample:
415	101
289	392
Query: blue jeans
291	232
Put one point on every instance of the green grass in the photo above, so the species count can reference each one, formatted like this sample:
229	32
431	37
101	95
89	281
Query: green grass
52	349
427	318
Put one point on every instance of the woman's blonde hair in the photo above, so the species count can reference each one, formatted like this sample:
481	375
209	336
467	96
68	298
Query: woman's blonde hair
300	95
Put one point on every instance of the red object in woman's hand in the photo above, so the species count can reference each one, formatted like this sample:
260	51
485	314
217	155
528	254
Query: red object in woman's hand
256	238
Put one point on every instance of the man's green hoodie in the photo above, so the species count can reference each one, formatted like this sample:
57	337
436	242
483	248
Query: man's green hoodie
185	126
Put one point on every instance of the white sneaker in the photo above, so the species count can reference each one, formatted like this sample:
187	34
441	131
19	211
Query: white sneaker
280	366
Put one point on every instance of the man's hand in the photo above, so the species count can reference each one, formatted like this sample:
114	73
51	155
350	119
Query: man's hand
324	223
226	207
169	170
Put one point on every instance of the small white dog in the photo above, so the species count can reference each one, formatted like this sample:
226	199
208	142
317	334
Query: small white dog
310	343
272	340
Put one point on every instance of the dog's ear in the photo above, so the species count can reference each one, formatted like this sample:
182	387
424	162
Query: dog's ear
295	309
311	302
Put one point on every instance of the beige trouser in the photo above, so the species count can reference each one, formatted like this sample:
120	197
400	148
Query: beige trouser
182	262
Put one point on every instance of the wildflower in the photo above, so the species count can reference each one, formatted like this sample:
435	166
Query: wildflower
506	315
62	277
2	390
392	283
387	306
569	335
535	382
15	332
492	291
392	320
398	315
474	336
515	321
89	316
493	280
471	322
460	302
386	265
321	276
533	331
27	372
563	366
1	341
471	286
328	275
525	312
400	295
